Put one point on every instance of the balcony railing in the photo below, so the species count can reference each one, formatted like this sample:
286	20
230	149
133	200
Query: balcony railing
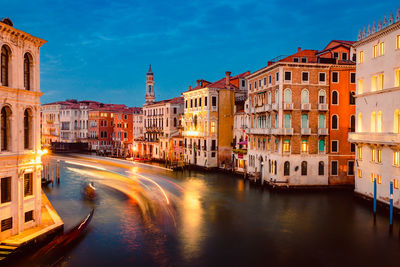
258	131
288	106
323	107
282	131
305	131
375	138
275	106
322	131
305	106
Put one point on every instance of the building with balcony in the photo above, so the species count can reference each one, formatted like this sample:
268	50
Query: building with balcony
289	119
50	123
377	135
209	118
122	136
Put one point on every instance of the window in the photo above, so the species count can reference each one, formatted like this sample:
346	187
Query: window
382	48
321	168
334	167
286	168
321	121
269	79
335	98
288	76
186	106
335	77
205	101
322	77
304	121
359	152
287	96
353	77
304	76
304	146
27	71
304	96
259	83
29	216
379	179
5	57
361	57
321	145
213	127
27	129
375	51
398	42
265	81
335	122
352	99
396	183
352	123
373	83
344	56
295	59
5	190
5	128
335	54
213	101
195	102
372	177
359	173
334	146
380	81
277	76
199	105
360	86
304	168
287	121
303	60
379	122
397	78
379	155
6	224
28	184
373	154
191	103
321	96
396	158
350	168
286	145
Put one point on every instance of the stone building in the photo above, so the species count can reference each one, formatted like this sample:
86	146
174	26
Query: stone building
377	133
20	157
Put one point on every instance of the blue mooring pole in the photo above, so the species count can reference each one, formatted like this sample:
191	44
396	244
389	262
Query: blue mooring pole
374	197
391	203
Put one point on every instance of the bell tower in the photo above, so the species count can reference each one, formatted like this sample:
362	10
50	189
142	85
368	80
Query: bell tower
149	87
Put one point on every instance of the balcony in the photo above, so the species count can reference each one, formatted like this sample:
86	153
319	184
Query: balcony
259	109
275	106
305	106
240	151
288	106
323	107
322	131
375	138
282	131
305	131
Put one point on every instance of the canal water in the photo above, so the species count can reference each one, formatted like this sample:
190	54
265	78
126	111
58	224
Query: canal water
149	216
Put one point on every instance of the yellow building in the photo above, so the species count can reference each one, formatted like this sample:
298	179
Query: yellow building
208	121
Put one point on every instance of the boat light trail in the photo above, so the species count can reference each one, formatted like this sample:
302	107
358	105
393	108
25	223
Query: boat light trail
85	165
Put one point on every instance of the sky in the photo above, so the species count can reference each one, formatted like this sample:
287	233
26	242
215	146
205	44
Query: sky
101	50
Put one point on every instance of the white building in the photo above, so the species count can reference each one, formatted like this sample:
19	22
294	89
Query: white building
239	144
74	121
50	123
137	124
377	110
20	158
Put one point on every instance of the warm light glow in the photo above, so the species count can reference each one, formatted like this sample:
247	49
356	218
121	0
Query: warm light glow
43	152
192	133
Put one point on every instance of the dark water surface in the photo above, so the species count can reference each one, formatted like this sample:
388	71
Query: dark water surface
214	219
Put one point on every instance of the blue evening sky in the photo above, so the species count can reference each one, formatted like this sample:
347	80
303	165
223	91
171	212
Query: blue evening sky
100	50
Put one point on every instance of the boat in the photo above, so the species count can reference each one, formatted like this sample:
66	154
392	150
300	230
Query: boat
90	191
59	244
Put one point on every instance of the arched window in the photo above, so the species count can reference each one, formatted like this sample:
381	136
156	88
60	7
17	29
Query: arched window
373	121
287	121
321	168
379	122
275	169
5	128
5	59
396	121
321	121
276	96
359	122
27	129
76	125
352	123
304	168
286	168
322	96
304	121
304	96
269	97
174	122
195	121
335	98
27	71
321	145
287	97
335	122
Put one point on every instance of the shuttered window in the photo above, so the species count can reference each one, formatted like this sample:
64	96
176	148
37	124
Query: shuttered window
5	189
28	184
6	224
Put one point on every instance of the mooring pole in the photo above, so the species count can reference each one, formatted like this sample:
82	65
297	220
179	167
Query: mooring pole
375	189
391	205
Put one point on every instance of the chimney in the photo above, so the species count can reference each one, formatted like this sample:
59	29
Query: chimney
228	79
190	87
198	83
298	49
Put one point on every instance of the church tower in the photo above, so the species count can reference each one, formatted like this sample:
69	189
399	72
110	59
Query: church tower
149	87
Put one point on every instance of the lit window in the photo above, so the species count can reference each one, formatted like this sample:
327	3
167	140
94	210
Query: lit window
373	122
304	146
397	78
375	51
286	146
396	158
396	183
359	152
213	127
379	179
381	49
372	177
359	173
360	86
372	154
373	83
361	57
398	42
379	122
379	155
380	81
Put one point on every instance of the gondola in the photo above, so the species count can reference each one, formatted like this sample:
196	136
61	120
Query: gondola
63	241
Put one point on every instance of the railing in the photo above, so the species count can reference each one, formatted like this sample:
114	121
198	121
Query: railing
305	131
240	151
282	131
305	106
288	106
322	131
275	106
375	138
323	107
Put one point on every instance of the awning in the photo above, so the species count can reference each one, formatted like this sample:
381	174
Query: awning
243	143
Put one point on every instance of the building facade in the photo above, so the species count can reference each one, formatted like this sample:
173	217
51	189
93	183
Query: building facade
377	133
20	157
50	123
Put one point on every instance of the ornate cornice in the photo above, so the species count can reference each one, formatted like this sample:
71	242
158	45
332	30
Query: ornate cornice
18	35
